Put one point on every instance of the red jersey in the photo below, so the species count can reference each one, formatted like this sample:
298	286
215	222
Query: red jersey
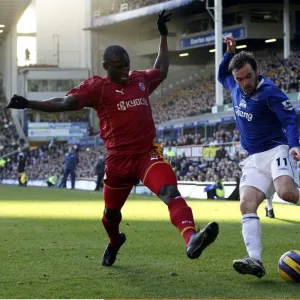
126	123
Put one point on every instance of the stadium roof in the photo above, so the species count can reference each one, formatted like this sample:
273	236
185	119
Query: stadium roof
10	13
235	2
200	5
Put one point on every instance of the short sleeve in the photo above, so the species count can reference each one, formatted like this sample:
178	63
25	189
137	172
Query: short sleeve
153	79
87	92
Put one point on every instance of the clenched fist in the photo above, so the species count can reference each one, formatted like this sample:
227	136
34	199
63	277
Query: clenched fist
230	42
161	22
18	102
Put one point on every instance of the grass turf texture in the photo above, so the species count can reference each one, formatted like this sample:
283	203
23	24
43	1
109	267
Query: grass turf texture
52	243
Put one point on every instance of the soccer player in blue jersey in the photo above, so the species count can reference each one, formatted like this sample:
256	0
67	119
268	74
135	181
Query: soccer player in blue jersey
269	133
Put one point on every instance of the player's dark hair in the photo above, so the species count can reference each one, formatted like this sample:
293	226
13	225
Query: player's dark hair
112	50
242	58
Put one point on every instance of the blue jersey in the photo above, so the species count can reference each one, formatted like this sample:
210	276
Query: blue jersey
71	160
265	118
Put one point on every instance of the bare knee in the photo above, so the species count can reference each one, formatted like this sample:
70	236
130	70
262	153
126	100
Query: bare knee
251	198
286	190
248	205
288	195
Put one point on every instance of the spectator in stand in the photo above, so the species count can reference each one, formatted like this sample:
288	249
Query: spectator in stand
21	166
170	153
221	152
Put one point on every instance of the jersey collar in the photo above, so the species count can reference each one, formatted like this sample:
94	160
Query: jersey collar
261	81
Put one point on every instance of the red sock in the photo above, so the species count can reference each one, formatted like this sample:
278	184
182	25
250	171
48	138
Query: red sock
182	217
112	229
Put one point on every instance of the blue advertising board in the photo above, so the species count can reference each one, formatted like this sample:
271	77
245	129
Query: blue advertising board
88	141
188	125
228	119
206	39
45	130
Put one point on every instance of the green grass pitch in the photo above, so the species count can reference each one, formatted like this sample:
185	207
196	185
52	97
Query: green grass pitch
52	243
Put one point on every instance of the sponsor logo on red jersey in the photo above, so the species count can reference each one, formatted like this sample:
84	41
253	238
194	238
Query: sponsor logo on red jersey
124	105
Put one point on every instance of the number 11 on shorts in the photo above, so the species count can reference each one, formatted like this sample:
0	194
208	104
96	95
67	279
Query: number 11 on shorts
281	160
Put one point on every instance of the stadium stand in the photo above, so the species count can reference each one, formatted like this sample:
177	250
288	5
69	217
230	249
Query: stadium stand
9	138
78	116
287	75
222	167
46	161
217	137
194	99
198	97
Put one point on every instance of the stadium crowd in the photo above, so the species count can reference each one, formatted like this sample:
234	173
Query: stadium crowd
43	162
218	137
287	75
222	167
48	160
9	138
193	99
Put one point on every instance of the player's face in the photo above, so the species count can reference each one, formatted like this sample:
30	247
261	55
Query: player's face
246	78
118	68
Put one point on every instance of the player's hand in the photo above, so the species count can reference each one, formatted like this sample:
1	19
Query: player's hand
230	42
295	152
18	102
161	22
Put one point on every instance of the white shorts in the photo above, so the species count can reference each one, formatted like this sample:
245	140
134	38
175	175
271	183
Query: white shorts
261	169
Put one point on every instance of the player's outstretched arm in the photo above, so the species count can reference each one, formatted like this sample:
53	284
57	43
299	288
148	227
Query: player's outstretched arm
67	103
162	60
224	76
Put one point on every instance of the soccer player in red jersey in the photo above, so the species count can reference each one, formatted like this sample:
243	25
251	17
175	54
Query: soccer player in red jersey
121	100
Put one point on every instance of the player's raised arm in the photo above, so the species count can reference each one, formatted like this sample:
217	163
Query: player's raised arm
224	75
162	60
67	103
